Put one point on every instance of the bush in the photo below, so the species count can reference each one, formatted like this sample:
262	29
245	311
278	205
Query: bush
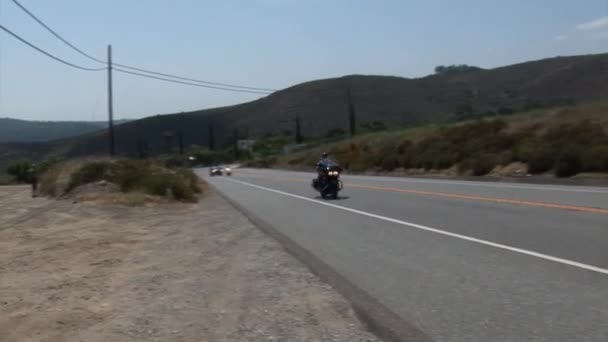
140	175
191	180
182	191
157	184
20	170
128	173
595	159
88	173
567	165
540	161
480	165
390	162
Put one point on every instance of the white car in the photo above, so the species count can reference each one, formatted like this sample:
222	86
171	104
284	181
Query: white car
228	171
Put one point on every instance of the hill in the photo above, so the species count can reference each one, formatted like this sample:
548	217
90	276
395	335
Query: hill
385	101
14	130
566	142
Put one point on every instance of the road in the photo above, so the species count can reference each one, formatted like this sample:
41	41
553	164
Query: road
460	261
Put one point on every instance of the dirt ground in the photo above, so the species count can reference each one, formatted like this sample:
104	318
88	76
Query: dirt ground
165	272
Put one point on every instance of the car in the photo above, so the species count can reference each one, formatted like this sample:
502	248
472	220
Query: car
228	171
215	171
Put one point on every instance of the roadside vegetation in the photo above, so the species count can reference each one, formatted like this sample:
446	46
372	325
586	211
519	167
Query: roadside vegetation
564	142
127	176
23	171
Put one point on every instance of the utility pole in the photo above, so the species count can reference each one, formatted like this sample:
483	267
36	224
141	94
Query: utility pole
298	130
110	105
236	144
180	141
211	138
351	113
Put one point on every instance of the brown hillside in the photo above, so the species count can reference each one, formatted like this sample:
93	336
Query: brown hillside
394	101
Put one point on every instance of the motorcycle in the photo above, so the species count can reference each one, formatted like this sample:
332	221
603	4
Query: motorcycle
328	183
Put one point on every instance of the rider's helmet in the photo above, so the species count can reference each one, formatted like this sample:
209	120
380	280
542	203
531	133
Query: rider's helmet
324	155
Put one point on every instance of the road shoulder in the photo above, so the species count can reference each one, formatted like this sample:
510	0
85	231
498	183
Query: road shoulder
78	271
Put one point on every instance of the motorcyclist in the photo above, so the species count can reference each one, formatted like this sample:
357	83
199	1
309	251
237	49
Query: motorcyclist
325	161
322	165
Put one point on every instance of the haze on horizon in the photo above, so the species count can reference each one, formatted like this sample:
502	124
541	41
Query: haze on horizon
267	43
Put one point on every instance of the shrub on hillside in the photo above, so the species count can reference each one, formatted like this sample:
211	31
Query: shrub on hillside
182	191
156	184
480	165
390	162
568	165
139	175
595	159
88	173
541	160
20	171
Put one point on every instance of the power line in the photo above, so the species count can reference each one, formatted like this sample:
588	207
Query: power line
188	83
195	80
55	33
46	53
220	85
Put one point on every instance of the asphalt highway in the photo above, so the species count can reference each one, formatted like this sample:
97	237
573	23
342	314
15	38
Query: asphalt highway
460	261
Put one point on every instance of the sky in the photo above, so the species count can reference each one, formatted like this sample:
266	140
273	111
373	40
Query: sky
266	43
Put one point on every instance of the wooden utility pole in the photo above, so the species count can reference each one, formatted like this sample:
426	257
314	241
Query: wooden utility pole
180	141
236	144
211	138
110	105
351	113
298	130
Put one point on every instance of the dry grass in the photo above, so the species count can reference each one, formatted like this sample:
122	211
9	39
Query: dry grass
127	182
567	140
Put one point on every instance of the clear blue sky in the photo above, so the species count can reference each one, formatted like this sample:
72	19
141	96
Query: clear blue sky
268	43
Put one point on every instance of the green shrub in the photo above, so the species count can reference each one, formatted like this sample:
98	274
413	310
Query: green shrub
128	173
182	191
191	179
567	165
595	159
157	184
20	170
479	165
88	173
541	160
390	162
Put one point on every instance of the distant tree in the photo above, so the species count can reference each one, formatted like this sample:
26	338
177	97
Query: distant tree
211	138
180	141
440	69
455	68
299	138
351	114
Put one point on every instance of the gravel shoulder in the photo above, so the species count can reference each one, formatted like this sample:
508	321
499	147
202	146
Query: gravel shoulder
164	272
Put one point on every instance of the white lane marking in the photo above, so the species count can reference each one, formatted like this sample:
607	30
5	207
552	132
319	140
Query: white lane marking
565	188
434	230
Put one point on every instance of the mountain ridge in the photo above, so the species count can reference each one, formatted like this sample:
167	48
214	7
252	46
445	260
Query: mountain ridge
322	105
